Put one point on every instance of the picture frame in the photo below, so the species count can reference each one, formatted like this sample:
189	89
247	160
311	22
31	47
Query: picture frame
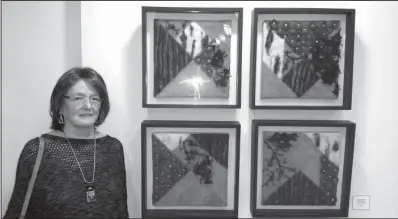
302	58
190	169
191	57
301	168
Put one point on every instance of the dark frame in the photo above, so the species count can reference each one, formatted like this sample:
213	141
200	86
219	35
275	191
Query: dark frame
192	10
348	65
347	169
153	213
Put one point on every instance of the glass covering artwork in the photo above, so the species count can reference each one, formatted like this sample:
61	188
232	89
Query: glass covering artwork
190	169
301	59
300	168
192	58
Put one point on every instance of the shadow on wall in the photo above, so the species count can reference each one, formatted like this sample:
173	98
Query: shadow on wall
361	89
133	87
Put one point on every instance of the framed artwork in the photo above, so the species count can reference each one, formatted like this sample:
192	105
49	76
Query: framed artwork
191	57
301	168
190	169
302	58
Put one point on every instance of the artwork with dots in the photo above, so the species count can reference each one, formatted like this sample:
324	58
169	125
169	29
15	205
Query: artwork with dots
190	169
301	59
301	168
192	58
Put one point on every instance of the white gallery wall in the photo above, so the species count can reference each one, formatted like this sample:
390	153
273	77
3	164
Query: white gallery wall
41	40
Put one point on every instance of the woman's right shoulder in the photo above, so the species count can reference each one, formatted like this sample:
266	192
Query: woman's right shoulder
30	148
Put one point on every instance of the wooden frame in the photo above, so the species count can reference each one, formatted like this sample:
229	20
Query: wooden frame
173	177
294	58
204	46
302	175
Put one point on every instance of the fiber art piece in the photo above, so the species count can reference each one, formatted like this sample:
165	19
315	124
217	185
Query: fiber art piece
301	168
191	57
302	58
190	168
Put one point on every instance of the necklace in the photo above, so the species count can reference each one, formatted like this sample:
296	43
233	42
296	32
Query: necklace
90	191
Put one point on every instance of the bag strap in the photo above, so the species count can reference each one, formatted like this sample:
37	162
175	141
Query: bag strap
33	178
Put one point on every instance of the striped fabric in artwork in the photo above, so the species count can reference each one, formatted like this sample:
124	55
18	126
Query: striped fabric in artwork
300	78
169	58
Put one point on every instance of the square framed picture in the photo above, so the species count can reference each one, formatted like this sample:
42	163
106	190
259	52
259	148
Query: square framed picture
191	57
302	58
301	168
190	169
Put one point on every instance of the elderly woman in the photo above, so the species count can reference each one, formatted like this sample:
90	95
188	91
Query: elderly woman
82	171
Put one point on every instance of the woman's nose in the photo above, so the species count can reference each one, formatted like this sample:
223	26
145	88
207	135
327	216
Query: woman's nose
87	104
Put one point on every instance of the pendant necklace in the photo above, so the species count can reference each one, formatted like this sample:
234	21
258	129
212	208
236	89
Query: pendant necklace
90	190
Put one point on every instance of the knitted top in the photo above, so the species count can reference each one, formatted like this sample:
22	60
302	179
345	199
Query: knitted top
60	191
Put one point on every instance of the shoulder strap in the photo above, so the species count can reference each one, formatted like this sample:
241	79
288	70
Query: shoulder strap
33	178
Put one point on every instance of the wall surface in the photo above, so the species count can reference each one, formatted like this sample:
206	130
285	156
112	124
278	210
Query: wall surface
40	41
34	50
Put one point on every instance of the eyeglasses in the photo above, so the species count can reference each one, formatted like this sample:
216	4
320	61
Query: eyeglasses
79	100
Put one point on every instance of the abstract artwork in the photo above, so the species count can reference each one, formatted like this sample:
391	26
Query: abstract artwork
303	58
302	167
190	168
191	57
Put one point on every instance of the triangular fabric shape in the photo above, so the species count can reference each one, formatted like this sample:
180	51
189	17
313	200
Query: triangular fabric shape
167	169
299	190
328	144
300	78
189	192
301	152
169	58
174	197
273	87
216	144
319	91
193	82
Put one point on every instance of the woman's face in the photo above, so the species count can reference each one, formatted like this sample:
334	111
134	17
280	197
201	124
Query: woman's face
81	105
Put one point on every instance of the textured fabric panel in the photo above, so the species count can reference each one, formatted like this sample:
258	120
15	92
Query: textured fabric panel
169	57
296	170
292	193
301	53
167	170
60	191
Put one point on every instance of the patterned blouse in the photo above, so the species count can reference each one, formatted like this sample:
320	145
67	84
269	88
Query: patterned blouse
60	191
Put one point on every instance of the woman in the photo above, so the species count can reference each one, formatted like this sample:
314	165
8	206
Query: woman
82	172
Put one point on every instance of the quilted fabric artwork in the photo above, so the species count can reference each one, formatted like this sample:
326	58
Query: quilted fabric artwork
190	169
301	59
300	168
192	59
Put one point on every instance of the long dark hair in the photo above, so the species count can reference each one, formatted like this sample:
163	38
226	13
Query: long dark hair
68	80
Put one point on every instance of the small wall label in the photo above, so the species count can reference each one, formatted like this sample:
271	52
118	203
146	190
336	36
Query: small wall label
361	202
